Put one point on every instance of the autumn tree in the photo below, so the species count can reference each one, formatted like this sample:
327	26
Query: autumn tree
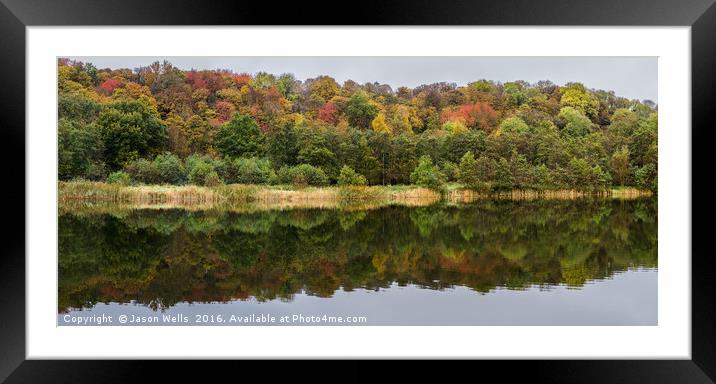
324	88
489	135
575	95
474	116
379	125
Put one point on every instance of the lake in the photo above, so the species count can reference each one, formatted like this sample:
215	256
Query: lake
492	262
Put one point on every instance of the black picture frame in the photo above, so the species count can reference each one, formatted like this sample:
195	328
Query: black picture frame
15	15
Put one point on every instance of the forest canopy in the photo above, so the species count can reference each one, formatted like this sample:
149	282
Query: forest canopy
158	124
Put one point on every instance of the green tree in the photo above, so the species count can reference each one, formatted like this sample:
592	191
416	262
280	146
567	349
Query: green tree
79	150
521	171
142	171
503	176
542	177
623	124
240	137
402	159
282	146
455	146
366	162
643	145
515	93
450	170
77	107
514	124
576	124
486	169
647	177
580	174
600	180
427	175
620	165
468	175
361	110
315	148
130	129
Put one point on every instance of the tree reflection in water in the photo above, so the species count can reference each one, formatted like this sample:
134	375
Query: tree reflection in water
159	257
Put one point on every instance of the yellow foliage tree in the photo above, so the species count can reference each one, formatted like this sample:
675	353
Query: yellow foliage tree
379	124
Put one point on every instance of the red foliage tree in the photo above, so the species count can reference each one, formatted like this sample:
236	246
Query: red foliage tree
195	80
328	113
109	85
214	81
225	110
475	116
242	79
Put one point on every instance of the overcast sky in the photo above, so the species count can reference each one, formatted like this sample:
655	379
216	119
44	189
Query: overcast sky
632	77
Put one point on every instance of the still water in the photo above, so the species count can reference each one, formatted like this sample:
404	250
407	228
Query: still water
541	262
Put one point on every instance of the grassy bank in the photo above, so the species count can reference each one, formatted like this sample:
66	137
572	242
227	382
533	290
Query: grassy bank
285	196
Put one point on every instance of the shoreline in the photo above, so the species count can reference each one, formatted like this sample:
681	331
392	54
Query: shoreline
283	197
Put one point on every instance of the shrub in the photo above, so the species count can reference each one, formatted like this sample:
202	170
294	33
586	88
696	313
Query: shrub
348	176
97	171
169	169
303	174
212	179
119	178
428	176
141	171
194	159
203	172
165	169
246	171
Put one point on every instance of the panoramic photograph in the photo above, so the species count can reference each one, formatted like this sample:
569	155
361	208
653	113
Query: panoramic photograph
357	191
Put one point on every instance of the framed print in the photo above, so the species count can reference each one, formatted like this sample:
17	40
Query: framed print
475	181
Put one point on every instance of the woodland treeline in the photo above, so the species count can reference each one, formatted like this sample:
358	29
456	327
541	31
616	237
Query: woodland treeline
161	125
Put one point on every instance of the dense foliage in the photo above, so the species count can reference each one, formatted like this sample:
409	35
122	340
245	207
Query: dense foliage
159	124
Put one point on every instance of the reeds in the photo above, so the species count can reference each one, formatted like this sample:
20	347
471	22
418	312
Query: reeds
467	195
285	197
